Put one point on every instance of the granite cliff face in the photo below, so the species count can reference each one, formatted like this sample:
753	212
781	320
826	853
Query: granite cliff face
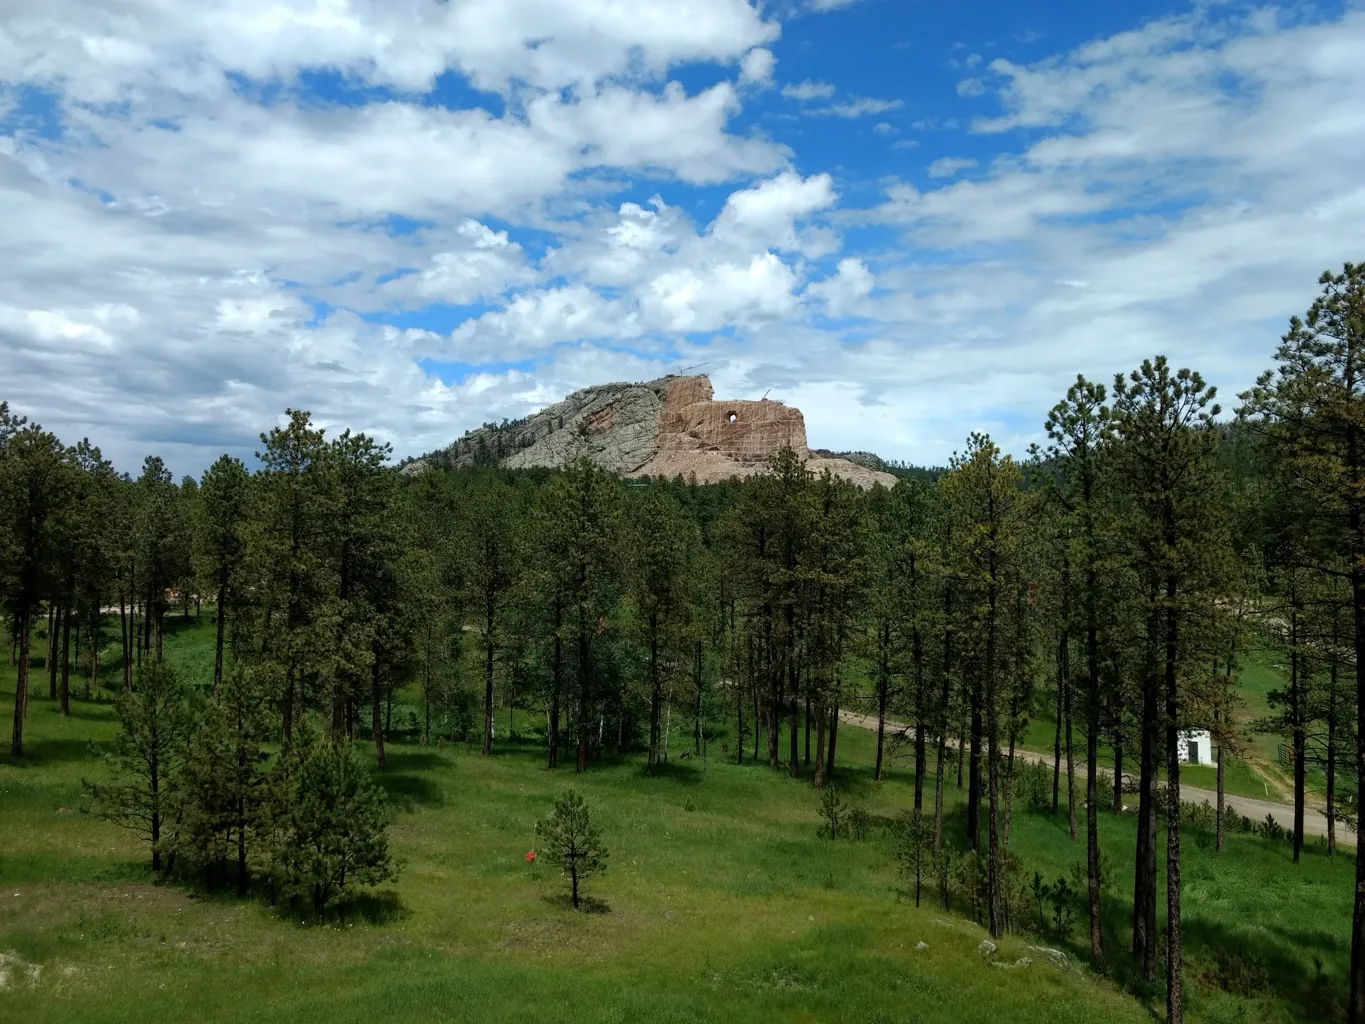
670	427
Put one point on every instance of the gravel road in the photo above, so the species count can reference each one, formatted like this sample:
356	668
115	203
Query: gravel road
1314	821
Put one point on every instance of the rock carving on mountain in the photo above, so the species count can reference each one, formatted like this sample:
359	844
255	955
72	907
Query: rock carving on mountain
670	427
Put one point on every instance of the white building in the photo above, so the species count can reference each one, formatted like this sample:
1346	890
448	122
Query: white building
1195	746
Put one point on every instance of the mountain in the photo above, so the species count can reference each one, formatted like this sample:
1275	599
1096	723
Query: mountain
670	427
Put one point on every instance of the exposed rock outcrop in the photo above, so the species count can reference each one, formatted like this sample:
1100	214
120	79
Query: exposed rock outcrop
670	427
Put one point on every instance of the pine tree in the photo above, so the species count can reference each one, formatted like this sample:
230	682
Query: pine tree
287	544
990	511
220	543
1311	414
156	720
830	570
1163	422
915	848
329	821
490	572
224	786
571	838
662	558
579	531
1079	429
34	492
163	546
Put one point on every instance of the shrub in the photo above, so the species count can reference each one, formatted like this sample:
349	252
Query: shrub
969	871
458	712
1236	970
859	824
1202	816
1080	878
1033	785
1271	829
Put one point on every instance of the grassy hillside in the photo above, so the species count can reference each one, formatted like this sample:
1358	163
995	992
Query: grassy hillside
720	903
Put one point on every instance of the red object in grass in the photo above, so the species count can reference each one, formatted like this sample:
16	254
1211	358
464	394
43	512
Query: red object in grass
530	856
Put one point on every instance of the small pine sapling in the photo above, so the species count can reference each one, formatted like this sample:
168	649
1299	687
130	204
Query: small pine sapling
155	722
832	810
572	839
1041	892
1063	905
915	848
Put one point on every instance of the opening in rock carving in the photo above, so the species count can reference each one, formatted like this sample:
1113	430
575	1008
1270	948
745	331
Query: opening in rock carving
730	416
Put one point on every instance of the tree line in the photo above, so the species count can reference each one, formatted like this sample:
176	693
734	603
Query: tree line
1113	579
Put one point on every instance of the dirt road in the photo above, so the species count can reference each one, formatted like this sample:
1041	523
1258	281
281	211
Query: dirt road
1314	821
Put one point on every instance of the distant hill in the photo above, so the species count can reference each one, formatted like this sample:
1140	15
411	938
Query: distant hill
670	427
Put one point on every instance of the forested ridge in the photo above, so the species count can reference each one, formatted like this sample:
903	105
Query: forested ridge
1112	579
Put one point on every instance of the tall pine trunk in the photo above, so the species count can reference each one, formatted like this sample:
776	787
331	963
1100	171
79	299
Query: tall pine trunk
774	699
794	680
123	639
65	658
944	703
556	682
220	616
376	721
1296	716
698	669
883	688
806	720
1070	765
1118	776
1332	759
16	746
820	719
974	772
1219	810
1175	955
489	644
917	670
1057	732
1092	756
50	650
584	690
994	851
833	737
1356	1013
1144	880
656	695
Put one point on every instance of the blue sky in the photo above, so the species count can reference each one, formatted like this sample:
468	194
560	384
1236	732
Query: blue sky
913	220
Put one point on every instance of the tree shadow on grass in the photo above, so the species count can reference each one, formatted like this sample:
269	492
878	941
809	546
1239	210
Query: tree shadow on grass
855	782
382	907
403	760
406	791
1253	965
370	907
93	710
684	774
40	752
586	904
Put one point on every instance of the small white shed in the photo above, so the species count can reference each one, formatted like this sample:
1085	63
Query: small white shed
1195	746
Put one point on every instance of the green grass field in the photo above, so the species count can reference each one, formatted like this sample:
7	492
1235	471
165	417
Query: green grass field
720	903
